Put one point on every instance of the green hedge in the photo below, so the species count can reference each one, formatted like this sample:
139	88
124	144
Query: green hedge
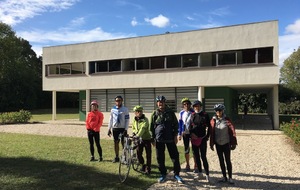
22	116
292	129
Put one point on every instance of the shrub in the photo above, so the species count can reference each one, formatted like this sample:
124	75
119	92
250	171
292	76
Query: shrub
292	129
22	116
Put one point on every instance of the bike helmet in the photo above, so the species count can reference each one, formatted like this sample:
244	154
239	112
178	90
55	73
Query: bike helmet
94	102
119	97
185	100
219	107
197	102
138	108
160	99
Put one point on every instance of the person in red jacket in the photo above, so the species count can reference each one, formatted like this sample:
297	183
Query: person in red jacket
94	121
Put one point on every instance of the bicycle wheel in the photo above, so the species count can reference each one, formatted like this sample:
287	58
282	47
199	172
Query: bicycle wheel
134	161
124	165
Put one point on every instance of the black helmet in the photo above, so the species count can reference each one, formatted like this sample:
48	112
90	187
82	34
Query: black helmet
219	107
197	102
160	99
119	97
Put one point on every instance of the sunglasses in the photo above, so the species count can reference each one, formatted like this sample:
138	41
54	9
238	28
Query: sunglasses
118	100
219	110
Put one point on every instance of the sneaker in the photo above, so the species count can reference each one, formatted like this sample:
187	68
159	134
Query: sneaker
222	180
230	181
116	159
196	170
143	168
207	178
178	179
92	159
148	171
162	179
187	168
100	159
199	176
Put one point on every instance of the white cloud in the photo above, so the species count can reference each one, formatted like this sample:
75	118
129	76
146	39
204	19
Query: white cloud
190	18
40	38
134	22
159	21
289	42
220	11
15	11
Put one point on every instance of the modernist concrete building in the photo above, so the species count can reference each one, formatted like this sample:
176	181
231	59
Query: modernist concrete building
213	65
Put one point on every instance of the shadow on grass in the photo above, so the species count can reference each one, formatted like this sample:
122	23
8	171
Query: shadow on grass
29	173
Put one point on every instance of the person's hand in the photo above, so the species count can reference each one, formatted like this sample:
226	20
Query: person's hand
125	133
232	147
212	148
109	133
153	143
179	137
175	139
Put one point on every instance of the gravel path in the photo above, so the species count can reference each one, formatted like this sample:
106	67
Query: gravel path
263	159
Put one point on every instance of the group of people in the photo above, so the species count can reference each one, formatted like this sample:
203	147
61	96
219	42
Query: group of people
163	130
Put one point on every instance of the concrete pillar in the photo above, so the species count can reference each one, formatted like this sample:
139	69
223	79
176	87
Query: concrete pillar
200	93
53	105
88	101
275	107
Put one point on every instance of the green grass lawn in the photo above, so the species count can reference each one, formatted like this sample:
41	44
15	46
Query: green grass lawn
46	162
46	114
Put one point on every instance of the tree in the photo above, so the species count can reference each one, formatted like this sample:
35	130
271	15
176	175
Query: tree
20	75
290	74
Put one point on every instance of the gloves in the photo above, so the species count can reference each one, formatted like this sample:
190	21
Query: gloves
232	147
109	133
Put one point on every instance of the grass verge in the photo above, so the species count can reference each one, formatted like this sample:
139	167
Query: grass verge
47	162
46	114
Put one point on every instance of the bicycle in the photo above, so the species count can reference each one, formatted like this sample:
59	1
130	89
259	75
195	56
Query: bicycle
128	157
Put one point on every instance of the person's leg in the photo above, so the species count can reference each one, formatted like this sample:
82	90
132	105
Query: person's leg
160	157
174	155
197	157
91	142
116	133
97	142
227	153
203	150
186	142
139	152
220	152
148	150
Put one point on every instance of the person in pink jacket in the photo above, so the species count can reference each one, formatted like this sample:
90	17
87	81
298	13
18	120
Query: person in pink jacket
94	121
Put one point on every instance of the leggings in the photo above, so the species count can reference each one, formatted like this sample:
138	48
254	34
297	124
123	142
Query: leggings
202	149
223	151
147	145
92	135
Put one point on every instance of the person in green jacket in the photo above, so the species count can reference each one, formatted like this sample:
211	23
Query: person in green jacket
141	130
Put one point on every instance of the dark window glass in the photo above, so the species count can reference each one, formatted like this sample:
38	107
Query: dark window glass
190	60
65	69
248	56
128	65
157	62
114	65
101	66
174	61
78	68
142	63
265	55
228	58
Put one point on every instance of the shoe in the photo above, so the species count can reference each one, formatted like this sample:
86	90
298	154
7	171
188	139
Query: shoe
100	159
207	178
148	171
143	168
116	159
187	168
196	170
230	181
162	179
178	179
199	176
222	180
92	159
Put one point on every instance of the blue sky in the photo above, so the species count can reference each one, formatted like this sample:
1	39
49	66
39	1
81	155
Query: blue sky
57	22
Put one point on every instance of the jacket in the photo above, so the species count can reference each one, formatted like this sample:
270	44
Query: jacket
184	123
94	120
141	127
200	124
231	131
164	125
119	118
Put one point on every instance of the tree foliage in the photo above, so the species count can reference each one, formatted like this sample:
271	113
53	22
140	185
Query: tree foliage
290	73
20	72
256	103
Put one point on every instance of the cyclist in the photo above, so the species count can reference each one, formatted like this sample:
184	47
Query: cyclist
164	128
118	124
223	135
183	131
94	121
140	129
